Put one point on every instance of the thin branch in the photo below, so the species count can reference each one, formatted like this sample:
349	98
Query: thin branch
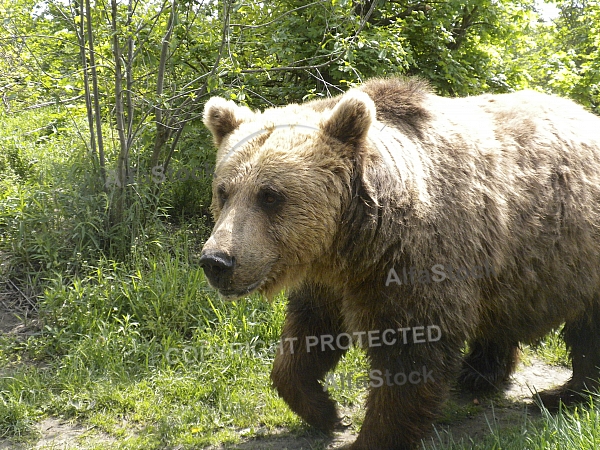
242	26
52	102
202	90
27	299
122	164
80	33
460	32
98	118
325	83
129	72
162	132
154	20
327	63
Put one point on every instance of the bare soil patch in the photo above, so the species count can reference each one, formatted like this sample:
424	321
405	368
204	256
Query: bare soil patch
508	409
57	434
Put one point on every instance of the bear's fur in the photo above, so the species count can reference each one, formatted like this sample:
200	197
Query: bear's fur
390	175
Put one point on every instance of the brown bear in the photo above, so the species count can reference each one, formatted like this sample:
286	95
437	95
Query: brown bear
411	224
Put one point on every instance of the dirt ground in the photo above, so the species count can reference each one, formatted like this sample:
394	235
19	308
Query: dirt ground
507	411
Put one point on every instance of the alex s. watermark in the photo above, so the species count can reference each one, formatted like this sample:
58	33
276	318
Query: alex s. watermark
158	175
440	273
377	378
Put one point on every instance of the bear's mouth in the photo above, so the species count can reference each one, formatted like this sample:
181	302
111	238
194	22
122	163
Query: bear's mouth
233	294
262	284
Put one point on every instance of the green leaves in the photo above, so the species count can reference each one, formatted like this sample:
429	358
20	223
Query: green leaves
562	55
281	50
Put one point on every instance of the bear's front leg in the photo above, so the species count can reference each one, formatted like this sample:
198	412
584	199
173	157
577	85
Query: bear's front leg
405	396
306	353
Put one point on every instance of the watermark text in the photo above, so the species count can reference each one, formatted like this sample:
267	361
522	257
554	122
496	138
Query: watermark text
438	273
369	339
377	378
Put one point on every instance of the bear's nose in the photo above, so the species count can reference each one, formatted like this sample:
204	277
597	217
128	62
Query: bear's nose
218	268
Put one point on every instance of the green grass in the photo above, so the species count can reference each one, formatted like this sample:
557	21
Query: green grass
133	343
117	347
551	349
576	429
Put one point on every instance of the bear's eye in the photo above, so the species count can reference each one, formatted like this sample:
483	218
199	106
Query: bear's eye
269	199
222	194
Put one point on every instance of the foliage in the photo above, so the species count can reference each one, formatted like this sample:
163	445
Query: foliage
563	56
460	47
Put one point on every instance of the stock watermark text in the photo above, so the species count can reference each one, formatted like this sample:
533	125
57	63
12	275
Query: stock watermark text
377	378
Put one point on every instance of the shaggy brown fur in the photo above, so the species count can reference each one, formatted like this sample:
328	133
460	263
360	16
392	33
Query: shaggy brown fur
392	176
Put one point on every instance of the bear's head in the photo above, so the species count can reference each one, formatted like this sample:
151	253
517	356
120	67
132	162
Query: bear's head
281	182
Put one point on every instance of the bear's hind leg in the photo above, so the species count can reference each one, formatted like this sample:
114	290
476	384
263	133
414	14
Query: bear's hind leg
300	363
582	337
407	389
487	365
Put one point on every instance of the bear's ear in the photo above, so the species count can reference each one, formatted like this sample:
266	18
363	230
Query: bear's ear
222	116
351	118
